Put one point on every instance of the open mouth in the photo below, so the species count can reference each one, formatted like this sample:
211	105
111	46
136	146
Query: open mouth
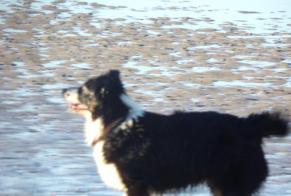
77	107
72	98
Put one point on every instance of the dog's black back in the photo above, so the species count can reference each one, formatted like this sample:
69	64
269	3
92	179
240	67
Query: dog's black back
161	153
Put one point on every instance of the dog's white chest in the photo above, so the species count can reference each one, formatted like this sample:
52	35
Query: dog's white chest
107	171
93	130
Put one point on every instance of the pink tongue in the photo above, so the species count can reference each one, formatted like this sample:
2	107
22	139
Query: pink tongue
74	105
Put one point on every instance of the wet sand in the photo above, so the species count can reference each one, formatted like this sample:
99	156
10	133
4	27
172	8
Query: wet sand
168	62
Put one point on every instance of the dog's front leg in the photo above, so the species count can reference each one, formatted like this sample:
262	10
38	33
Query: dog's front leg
137	190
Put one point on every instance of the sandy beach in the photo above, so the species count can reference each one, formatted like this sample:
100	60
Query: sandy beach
173	55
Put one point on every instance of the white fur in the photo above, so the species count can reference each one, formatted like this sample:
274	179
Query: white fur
134	110
126	125
93	130
72	96
107	171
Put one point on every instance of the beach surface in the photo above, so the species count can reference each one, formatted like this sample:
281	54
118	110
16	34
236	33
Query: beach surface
173	55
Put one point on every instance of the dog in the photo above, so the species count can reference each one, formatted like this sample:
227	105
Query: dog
143	153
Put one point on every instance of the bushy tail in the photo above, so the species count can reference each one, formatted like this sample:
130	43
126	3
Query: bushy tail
268	124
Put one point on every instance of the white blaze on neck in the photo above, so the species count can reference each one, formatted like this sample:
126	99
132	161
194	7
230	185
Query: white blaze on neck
135	110
107	171
93	130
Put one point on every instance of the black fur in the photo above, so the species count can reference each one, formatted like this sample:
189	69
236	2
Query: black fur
160	153
106	101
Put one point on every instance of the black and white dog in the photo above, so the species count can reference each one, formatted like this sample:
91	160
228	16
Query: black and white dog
143	153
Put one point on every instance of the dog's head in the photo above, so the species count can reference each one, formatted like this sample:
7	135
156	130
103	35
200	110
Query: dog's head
95	94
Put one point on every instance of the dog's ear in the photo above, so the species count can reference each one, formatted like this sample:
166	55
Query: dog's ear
114	75
115	83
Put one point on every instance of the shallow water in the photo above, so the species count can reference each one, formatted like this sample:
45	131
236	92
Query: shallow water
190	55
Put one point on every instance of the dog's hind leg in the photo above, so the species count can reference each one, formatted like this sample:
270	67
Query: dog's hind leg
230	190
218	189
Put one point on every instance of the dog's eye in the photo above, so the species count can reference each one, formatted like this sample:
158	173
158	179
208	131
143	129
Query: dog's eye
80	91
83	95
